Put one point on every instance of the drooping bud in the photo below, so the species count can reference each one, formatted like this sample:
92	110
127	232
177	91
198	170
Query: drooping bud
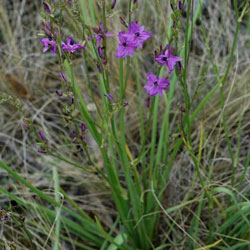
47	7
59	93
113	4
63	77
109	96
41	135
83	127
123	22
74	134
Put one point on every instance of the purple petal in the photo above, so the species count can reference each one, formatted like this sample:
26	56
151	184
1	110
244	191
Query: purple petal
108	34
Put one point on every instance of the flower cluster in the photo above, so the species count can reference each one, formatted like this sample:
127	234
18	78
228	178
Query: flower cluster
131	40
70	45
156	85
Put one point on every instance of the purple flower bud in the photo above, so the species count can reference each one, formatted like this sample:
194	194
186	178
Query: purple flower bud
74	133
71	101
99	68
182	109
5	218
41	135
135	1
104	61
181	6
79	148
172	7
96	29
109	96
26	126
42	152
113	4
83	127
47	27
123	22
82	137
161	49
179	67
63	77
47	7
99	50
59	93
125	104
148	102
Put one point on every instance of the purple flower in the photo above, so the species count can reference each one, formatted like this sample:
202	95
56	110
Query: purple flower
168	59
100	34
156	85
83	127
49	44
125	104
137	34
47	7
109	96
41	135
126	47
71	46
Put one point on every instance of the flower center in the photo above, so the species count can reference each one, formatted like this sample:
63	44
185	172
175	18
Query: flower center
137	34
165	59
124	44
155	83
71	42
